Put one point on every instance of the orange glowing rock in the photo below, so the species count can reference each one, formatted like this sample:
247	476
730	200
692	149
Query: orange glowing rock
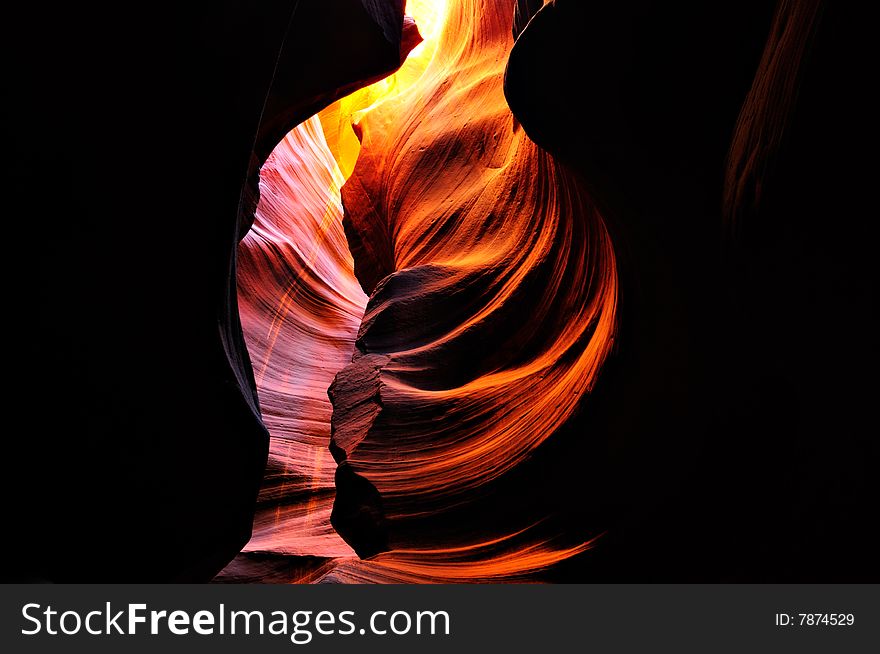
493	289
492	308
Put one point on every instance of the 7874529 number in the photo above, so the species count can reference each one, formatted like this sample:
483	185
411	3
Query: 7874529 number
815	619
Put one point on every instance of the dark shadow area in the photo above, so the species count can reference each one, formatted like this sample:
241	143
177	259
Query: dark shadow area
729	437
133	131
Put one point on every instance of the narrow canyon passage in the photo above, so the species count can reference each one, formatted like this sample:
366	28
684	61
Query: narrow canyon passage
458	224
527	291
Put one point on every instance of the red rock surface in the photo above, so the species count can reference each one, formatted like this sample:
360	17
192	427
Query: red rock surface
492	308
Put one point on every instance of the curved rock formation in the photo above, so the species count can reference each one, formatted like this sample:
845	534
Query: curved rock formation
496	297
492	296
300	306
516	385
459	227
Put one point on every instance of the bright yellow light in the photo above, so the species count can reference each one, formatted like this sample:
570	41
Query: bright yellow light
429	16
338	119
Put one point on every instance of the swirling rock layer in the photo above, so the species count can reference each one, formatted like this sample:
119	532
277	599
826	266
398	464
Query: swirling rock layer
492	297
300	306
492	300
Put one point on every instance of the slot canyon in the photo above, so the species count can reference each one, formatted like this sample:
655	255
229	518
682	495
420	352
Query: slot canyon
444	291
